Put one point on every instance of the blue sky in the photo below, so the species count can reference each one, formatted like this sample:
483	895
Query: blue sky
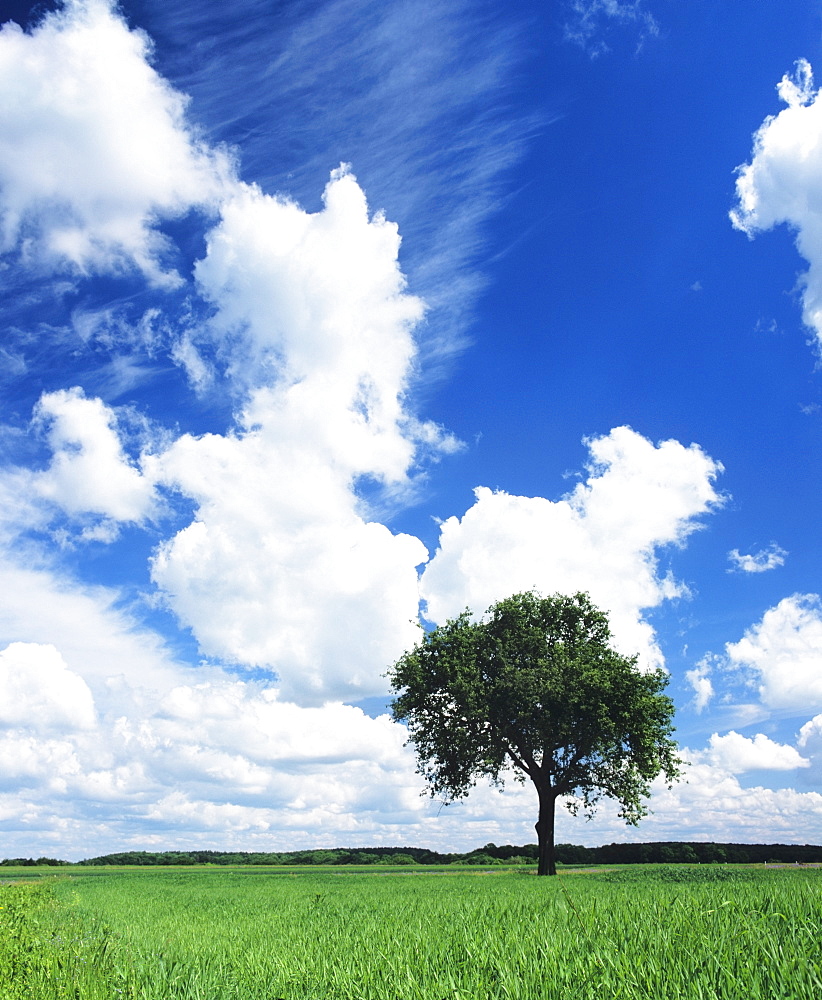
321	315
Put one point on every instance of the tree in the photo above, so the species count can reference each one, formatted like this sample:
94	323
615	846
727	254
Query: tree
536	688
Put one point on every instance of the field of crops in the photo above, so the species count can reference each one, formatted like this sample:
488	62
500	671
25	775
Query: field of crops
648	932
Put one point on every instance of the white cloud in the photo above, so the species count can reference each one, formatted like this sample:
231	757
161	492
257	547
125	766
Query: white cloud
20	509
93	631
279	570
198	371
737	754
602	537
590	19
758	562
89	472
810	735
267	730
224	763
221	755
282	566
784	653
712	805
311	314
28	761
701	683
419	121
38	690
783	181
94	145
90	478
315	294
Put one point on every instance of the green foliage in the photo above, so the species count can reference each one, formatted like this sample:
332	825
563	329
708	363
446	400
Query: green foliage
690	875
335	856
536	687
33	862
48	953
673	852
257	934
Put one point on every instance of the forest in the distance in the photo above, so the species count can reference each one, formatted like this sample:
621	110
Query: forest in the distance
567	854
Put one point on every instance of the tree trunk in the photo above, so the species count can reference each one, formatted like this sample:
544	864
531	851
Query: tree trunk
545	831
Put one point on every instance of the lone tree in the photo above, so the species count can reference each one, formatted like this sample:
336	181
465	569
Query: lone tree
535	686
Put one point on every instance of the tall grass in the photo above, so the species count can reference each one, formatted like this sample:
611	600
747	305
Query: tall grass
655	934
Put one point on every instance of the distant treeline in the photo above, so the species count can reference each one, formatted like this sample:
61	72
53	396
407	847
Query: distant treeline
491	854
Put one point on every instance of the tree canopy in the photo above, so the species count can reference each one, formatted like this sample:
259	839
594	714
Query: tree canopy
536	689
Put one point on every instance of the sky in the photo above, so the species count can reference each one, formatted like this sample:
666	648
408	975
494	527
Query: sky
324	319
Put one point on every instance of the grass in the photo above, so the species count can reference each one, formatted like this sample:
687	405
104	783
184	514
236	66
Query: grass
650	932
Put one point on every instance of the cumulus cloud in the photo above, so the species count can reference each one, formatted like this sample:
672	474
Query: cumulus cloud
226	763
313	321
89	478
89	472
38	690
93	629
317	295
420	121
783	181
738	754
283	567
157	747
810	735
783	652
758	562
94	145
285	564
28	762
313	326
266	729
603	537
714	806
218	755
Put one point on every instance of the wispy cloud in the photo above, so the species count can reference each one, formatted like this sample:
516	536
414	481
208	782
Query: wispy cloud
591	21
757	562
136	242
700	681
417	96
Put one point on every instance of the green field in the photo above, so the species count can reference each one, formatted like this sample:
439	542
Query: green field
412	934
